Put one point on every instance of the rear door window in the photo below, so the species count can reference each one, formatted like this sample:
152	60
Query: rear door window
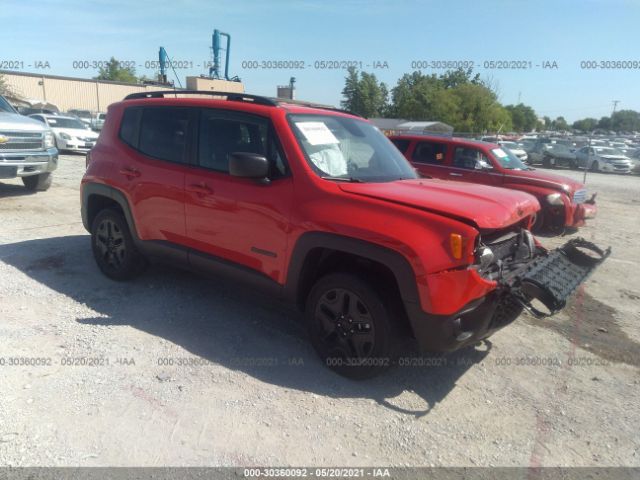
164	133
433	153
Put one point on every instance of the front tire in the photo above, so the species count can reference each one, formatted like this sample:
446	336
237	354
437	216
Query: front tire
595	166
349	326
37	183
113	247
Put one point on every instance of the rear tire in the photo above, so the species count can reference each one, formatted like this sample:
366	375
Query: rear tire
595	166
37	183
113	247
573	164
349	326
546	162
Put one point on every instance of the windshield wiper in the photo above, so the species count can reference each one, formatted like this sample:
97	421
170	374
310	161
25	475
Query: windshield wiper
342	179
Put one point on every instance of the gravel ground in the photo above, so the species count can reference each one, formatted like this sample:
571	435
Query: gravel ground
173	369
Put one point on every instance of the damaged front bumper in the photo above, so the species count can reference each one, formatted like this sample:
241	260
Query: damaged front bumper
551	277
526	276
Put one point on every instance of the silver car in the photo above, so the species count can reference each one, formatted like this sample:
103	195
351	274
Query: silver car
603	159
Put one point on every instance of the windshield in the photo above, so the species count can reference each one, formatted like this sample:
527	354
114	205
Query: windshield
65	123
511	145
507	159
5	106
342	148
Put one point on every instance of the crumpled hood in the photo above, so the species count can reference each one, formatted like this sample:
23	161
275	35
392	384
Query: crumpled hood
13	122
484	206
542	179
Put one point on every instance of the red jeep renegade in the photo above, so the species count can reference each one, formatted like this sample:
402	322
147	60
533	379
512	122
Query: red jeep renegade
564	201
316	206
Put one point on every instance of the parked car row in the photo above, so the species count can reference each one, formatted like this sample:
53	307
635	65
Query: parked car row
597	155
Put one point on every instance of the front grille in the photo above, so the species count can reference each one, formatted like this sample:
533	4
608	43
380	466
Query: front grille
580	196
20	141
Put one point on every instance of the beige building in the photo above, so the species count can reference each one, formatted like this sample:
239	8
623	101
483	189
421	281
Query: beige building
95	95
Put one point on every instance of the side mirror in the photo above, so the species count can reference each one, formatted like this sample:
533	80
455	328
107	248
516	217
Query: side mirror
248	165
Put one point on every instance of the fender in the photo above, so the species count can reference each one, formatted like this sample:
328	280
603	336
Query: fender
394	261
541	193
103	190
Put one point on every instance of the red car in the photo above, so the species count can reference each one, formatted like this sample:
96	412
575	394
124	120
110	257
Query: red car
315	206
564	201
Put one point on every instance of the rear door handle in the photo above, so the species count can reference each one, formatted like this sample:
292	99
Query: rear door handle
200	189
130	172
453	174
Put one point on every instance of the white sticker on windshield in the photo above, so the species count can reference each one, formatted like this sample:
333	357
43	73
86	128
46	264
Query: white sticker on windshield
317	133
498	152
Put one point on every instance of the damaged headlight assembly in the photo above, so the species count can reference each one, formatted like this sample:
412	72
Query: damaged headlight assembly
554	199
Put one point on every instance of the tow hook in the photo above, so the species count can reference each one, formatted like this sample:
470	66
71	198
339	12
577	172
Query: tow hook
553	276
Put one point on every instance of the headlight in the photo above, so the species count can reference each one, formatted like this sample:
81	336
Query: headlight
555	199
485	257
65	136
49	142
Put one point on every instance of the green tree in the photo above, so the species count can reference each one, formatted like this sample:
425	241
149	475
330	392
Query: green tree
547	122
559	124
455	78
420	97
604	123
523	117
364	95
457	98
479	110
586	124
115	72
625	121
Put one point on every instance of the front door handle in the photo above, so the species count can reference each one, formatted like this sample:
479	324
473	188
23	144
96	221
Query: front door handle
200	189
453	174
130	172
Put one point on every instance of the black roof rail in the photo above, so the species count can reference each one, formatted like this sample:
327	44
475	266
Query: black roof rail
232	96
237	97
304	103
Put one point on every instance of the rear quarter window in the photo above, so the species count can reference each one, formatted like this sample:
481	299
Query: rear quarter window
129	126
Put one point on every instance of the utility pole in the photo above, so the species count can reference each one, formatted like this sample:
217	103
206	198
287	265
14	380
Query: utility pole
615	104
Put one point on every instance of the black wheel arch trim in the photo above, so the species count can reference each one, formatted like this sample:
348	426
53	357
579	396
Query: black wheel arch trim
112	193
393	260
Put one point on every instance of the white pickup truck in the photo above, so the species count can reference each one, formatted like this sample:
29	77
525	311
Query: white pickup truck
27	149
